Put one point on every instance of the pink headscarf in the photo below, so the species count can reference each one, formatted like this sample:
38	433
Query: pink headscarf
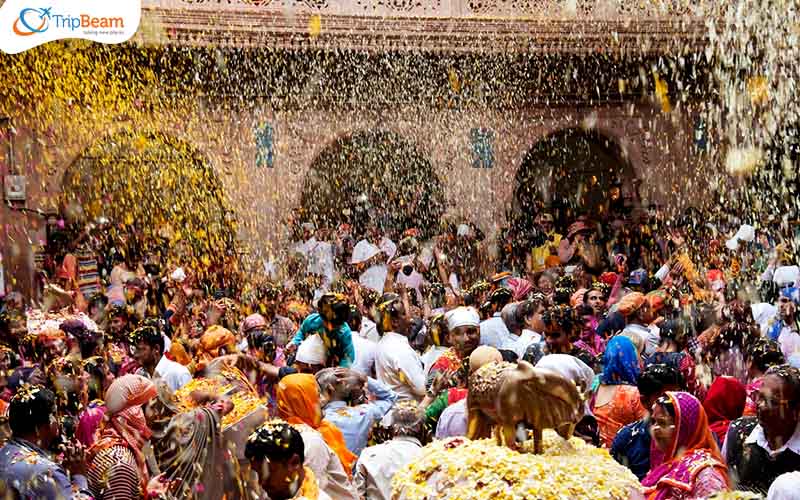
520	288
252	321
124	423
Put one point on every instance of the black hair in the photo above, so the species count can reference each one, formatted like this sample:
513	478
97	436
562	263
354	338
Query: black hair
95	366
30	409
764	354
791	377
355	317
666	403
276	441
150	335
673	330
257	338
98	299
655	377
509	356
501	297
436	295
561	315
334	308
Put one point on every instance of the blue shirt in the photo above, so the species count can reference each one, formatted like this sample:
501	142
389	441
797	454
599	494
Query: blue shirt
338	342
356	422
631	447
28	471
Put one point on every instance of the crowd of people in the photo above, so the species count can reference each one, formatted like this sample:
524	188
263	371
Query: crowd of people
683	336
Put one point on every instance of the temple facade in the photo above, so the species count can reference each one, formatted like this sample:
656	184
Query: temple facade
476	89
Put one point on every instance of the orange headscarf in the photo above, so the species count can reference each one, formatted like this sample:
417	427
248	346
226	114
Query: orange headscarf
212	340
298	403
631	303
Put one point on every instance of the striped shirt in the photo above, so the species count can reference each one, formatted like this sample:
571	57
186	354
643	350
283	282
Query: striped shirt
114	475
88	274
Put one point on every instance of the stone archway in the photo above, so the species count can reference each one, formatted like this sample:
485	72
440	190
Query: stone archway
160	195
573	172
373	175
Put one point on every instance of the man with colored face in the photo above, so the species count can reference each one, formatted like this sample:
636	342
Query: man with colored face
463	336
276	453
759	449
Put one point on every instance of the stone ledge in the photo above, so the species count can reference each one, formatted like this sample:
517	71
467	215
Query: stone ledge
275	29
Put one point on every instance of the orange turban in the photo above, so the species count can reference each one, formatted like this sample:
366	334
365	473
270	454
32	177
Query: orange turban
657	299
298	403
213	339
631	303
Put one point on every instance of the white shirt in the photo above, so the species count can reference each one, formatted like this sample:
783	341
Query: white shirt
789	340
369	330
494	332
650	337
374	277
320	260
785	487
398	366
378	464
174	374
430	356
527	338
365	355
414	280
758	437
453	420
327	467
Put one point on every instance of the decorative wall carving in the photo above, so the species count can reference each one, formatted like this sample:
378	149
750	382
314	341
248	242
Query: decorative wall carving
556	9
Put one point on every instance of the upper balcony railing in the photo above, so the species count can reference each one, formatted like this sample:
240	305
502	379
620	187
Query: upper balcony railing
568	26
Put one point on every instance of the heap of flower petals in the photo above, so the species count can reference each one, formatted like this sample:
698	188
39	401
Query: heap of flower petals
458	468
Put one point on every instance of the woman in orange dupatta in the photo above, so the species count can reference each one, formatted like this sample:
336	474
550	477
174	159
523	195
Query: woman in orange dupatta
685	462
325	450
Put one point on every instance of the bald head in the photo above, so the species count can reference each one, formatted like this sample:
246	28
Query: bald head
483	355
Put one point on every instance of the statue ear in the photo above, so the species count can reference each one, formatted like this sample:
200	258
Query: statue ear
525	367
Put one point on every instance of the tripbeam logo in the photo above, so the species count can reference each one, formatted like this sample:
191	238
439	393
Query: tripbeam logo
24	26
32	21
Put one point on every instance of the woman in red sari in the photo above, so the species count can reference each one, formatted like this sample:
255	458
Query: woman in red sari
685	462
723	404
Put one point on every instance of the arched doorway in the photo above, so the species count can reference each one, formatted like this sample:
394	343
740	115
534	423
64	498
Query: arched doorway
161	198
574	172
373	176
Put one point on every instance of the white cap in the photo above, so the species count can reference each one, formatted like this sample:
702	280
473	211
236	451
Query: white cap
462	230
746	233
462	316
363	251
312	351
178	275
786	275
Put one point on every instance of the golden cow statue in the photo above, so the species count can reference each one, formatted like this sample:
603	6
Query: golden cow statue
504	395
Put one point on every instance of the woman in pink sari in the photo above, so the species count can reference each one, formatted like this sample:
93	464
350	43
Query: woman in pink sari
685	462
